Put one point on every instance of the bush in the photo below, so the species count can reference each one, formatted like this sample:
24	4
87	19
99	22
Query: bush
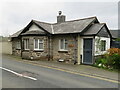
118	39
112	51
101	62
115	60
110	60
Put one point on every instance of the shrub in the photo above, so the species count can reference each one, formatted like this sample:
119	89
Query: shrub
101	62
115	60
118	39
112	51
110	60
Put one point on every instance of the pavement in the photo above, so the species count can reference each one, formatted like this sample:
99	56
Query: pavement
82	69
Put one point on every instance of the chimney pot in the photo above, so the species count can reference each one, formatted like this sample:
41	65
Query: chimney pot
60	12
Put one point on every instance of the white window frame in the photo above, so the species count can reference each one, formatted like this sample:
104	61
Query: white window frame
64	42
104	46
38	41
26	41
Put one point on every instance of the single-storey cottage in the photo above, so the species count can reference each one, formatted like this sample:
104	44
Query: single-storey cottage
76	41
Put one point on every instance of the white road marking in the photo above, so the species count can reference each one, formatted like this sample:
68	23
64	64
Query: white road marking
18	74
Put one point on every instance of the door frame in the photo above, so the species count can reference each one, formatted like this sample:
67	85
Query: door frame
91	51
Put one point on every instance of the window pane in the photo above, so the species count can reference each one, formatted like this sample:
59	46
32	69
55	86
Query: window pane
66	44
18	45
40	44
61	44
103	45
26	43
40	41
36	43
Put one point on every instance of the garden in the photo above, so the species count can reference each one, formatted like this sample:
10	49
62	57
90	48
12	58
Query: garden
110	60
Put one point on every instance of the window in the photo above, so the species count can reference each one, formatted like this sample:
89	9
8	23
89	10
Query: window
38	44
18	45
63	44
103	45
26	44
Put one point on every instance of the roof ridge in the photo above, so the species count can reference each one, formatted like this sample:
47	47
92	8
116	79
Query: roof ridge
99	23
75	20
65	21
41	22
81	19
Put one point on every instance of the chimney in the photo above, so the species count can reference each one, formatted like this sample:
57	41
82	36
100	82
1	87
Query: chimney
60	18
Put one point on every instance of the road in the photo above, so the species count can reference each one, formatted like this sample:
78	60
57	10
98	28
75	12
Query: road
22	75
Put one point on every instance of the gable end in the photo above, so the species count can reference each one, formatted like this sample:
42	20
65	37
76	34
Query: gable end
104	32
31	28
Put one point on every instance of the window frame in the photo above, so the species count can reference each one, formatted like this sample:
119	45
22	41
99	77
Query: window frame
103	45
18	45
38	44
26	44
65	45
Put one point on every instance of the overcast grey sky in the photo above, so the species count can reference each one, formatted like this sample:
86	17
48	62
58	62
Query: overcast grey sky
15	15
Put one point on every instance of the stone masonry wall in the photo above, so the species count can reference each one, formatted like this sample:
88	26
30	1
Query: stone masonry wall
67	56
15	51
33	54
51	48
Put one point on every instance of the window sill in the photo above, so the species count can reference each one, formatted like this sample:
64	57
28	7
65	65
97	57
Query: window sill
38	50
63	51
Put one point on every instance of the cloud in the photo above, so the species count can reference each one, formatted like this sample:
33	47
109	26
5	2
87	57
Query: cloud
15	15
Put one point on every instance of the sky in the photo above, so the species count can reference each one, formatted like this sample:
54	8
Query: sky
16	14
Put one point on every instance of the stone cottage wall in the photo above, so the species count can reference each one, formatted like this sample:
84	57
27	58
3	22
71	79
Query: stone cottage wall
15	50
67	56
51	48
33	54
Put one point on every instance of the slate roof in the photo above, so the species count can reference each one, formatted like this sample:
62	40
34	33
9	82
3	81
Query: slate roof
17	33
73	26
115	33
46	26
32	33
94	29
